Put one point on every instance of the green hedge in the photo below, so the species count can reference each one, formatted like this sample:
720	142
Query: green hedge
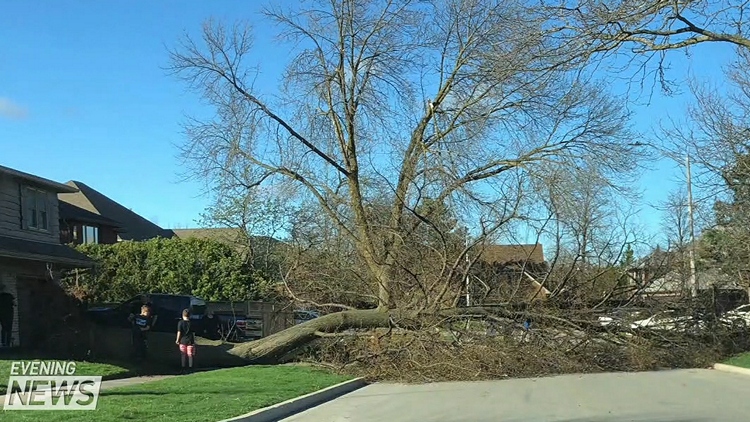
205	268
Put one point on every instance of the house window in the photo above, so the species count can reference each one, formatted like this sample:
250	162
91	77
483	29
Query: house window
35	210
90	234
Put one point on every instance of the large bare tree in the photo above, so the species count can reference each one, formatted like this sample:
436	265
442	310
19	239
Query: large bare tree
593	226
651	26
713	130
390	111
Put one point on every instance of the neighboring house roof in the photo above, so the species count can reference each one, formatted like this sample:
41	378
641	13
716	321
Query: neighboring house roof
224	234
134	227
38	181
674	282
11	247
230	235
504	254
512	256
70	212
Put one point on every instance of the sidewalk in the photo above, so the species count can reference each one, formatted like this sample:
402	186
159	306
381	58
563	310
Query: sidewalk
122	382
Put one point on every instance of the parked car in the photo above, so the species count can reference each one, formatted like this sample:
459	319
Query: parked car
237	327
620	317
667	320
229	327
671	320
741	313
302	315
167	309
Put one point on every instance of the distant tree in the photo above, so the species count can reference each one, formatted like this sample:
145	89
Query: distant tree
648	31
628	258
259	220
727	245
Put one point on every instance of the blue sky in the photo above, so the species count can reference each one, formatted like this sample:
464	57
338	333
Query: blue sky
86	97
83	96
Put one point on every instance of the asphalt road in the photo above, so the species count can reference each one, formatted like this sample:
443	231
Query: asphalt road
695	395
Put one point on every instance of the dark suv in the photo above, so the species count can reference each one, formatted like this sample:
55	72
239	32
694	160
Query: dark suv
166	308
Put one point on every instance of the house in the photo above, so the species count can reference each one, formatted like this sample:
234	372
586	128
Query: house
79	226
652	267
90	216
31	254
677	283
509	272
259	250
231	236
665	276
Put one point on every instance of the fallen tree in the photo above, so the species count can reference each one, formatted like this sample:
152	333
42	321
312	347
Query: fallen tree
481	343
413	132
274	348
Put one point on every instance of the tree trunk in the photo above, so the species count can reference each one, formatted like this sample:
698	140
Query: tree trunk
273	348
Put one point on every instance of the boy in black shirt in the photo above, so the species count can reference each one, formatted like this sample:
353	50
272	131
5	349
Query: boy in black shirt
186	339
141	324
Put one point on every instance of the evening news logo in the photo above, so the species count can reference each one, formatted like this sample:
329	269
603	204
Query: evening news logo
50	385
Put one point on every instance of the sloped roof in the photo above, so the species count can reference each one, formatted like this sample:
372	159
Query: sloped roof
70	212
41	182
11	247
675	282
224	234
503	254
134	226
231	235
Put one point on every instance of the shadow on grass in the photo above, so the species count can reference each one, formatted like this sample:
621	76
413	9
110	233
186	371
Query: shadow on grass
113	347
159	393
146	393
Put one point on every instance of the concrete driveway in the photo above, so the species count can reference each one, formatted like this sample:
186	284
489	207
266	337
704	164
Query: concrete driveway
695	395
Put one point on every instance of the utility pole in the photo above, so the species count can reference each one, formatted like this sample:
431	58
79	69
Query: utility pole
691	251
468	295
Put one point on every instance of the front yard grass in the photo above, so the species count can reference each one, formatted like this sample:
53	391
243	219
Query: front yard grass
742	360
204	396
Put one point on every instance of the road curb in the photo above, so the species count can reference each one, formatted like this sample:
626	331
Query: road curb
290	407
731	368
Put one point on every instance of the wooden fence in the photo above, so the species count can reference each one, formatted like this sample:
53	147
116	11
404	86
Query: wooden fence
262	318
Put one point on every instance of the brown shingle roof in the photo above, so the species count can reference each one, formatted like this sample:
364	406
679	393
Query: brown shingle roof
70	212
503	254
11	247
135	227
230	235
223	234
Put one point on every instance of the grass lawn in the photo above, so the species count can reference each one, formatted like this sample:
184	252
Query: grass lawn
742	360
204	396
107	371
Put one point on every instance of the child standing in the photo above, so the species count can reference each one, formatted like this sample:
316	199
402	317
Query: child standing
186	340
141	324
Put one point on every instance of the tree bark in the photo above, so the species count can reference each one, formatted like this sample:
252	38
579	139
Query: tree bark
273	348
